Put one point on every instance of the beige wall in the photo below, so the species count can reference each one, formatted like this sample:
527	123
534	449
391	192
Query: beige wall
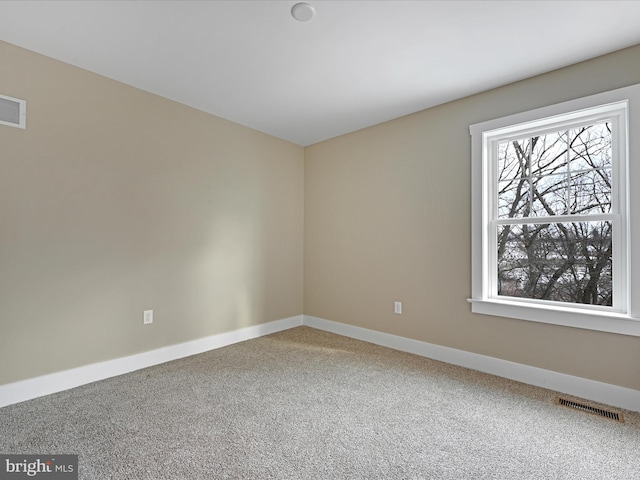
387	217
114	201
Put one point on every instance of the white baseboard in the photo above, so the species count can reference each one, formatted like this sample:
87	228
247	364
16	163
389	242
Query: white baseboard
59	381
606	393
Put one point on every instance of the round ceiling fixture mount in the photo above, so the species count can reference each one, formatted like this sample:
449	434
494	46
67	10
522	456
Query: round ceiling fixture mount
303	12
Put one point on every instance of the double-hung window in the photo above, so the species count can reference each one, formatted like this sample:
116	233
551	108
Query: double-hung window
554	239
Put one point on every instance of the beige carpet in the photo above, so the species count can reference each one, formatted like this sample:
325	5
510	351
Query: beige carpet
305	404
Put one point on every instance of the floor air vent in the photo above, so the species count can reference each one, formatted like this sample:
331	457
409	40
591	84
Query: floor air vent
593	410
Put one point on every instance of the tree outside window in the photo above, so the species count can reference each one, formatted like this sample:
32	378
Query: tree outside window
563	173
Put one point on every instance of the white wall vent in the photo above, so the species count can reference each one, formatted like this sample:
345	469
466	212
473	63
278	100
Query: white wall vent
13	112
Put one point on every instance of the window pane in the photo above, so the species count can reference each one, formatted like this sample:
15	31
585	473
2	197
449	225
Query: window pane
591	192
549	154
513	159
550	195
563	262
513	198
590	147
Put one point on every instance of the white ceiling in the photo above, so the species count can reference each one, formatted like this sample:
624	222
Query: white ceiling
356	64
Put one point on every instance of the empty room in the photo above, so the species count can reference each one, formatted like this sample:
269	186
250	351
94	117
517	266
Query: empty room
320	239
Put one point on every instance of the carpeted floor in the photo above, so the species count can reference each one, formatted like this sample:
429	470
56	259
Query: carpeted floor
306	404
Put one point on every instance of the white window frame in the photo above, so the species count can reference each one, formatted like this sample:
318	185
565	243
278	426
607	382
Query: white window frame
622	106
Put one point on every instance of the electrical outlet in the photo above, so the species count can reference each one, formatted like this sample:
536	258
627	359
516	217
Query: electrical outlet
397	308
147	317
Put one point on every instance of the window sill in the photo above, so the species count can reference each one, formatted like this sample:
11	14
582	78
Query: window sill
610	322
